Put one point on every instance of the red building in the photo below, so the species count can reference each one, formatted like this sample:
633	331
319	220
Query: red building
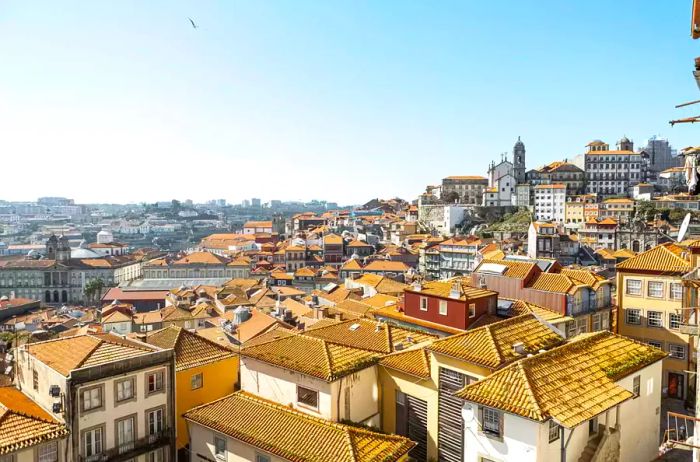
451	303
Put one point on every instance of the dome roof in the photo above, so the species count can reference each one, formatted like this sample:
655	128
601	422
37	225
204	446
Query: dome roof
82	254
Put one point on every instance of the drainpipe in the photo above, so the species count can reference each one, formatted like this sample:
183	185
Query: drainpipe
564	444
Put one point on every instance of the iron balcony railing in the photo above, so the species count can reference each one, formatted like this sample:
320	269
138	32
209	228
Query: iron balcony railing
132	449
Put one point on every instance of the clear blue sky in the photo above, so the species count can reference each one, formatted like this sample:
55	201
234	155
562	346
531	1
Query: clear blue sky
125	101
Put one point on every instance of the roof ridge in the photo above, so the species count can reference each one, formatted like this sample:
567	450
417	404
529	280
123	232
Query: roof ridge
528	387
92	350
492	340
351	446
327	355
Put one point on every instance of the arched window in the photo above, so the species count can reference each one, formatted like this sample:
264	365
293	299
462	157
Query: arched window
64	296
55	296
47	296
635	246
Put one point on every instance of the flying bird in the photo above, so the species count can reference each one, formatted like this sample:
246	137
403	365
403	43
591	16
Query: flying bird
194	26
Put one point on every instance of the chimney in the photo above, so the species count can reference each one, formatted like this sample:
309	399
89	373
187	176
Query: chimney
456	290
417	286
519	348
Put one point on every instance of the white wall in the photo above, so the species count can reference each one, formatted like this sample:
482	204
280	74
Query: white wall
280	385
202	442
519	442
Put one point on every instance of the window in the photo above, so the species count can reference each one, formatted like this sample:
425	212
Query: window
581	325
553	431
219	447
674	321
35	380
48	452
596	322
491	421
676	351
8	458
125	389
633	316
92	398
634	287
154	381
655	289
307	397
472	310
125	434
154	421
92	442
655	319
571	329
443	307
423	304
676	291
656	344
261	458
636	385
196	381
156	456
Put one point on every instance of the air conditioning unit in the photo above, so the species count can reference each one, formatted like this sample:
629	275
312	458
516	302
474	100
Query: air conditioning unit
56	407
54	391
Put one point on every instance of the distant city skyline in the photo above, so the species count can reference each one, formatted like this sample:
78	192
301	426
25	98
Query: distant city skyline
127	103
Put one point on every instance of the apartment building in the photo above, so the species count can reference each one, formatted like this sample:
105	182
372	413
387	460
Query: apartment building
613	172
578	209
550	201
599	232
243	427
458	256
467	189
559	173
596	397
204	371
114	395
29	433
621	209
650	309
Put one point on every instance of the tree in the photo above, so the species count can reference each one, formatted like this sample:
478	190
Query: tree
93	288
451	197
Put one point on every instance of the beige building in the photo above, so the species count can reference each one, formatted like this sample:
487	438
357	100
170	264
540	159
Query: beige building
114	395
650	302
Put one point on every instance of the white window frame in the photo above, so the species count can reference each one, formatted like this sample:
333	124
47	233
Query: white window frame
197	381
307	405
679	348
655	319
472	310
554	430
633	291
262	457
92	399
442	307
158	382
491	421
47	452
423	303
628	312
656	343
121	389
96	436
675	291
674	321
595	322
656	285
220	454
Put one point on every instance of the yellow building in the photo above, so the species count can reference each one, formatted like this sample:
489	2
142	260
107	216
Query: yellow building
204	371
420	382
650	309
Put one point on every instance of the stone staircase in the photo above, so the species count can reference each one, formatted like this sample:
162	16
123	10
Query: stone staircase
591	447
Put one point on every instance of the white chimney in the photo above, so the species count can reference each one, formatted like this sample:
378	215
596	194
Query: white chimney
456	290
519	348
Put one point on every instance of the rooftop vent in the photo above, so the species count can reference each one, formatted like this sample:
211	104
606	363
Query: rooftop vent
519	348
354	327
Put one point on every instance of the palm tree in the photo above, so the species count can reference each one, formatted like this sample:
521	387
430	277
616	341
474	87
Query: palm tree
93	288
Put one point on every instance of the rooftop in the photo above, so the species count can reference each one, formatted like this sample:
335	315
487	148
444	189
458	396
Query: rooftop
570	384
663	258
191	350
294	435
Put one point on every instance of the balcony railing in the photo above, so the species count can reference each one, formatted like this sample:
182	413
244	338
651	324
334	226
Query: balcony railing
132	449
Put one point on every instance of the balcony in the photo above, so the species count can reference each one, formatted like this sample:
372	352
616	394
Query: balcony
132	449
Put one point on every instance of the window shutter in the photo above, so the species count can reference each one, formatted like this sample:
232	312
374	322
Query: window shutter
401	414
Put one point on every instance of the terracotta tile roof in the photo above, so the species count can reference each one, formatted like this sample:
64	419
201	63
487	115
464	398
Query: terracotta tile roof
356	243
443	289
332	239
466	177
381	284
415	362
258	323
520	307
304	271
23	423
312	356
585	277
619	201
552	282
116	316
274	332
258	224
380	301
201	258
387	265
288	291
569	384
513	269
662	258
191	350
551	186
66	354
369	335
393	313
294	435
350	306
492	345
351	265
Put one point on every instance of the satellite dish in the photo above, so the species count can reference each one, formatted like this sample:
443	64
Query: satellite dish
684	227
